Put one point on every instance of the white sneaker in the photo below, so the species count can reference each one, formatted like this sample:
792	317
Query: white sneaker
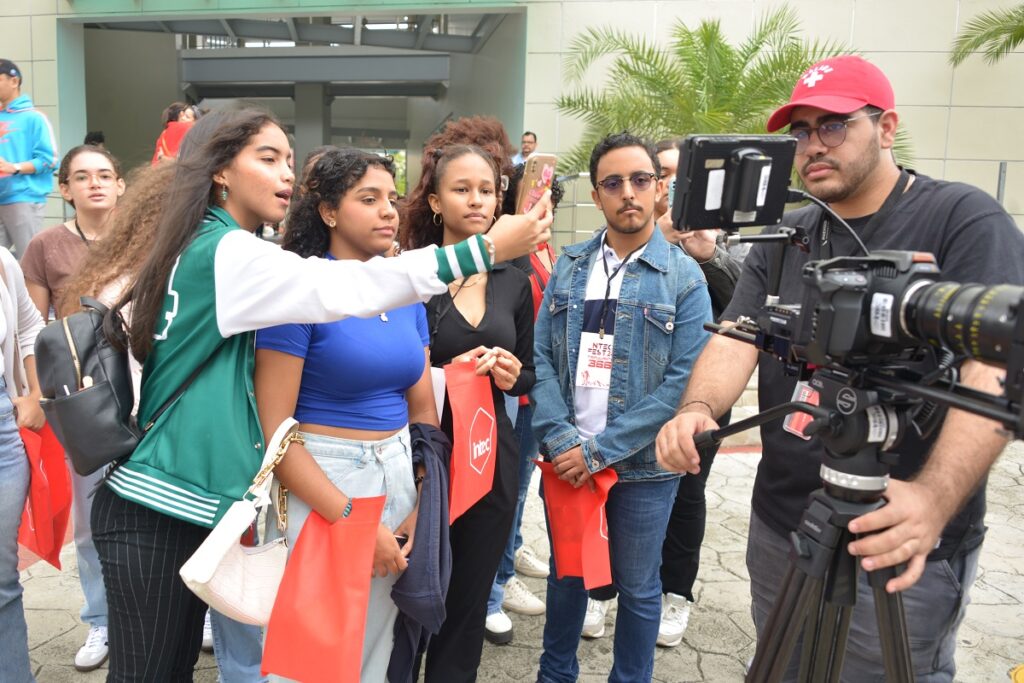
675	615
520	600
593	623
92	655
528	564
498	628
207	634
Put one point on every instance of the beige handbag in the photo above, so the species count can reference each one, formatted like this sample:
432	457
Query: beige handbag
238	581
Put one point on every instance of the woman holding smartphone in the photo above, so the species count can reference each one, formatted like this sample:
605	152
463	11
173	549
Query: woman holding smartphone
354	385
205	288
486	319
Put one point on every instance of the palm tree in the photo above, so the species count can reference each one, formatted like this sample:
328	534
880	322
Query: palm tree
998	32
699	82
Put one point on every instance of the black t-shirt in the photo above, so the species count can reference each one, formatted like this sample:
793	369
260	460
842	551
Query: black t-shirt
973	240
507	322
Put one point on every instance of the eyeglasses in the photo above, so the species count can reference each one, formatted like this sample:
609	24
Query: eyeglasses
831	133
101	178
640	181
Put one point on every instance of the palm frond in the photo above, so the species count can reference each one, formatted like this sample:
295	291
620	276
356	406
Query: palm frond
998	32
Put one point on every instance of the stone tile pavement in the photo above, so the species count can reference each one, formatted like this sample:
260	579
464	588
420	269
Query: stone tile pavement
720	638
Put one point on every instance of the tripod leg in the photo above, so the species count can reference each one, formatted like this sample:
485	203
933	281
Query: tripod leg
892	628
825	643
778	638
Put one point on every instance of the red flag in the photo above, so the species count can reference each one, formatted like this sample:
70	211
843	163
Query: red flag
317	625
474	437
48	506
579	525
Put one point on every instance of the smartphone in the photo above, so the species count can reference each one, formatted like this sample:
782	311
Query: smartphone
537	177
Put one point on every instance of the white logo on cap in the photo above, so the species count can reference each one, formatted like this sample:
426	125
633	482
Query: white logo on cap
816	74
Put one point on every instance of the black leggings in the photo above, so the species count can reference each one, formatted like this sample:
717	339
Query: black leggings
155	621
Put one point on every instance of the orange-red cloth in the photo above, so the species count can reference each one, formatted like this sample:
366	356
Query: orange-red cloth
316	628
579	526
474	437
48	507
169	142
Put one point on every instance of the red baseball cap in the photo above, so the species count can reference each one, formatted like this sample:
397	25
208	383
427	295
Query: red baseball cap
837	84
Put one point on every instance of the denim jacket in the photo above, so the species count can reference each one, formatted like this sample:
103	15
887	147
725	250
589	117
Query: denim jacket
662	306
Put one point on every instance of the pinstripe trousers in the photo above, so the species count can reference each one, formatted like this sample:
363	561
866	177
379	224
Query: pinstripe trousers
155	622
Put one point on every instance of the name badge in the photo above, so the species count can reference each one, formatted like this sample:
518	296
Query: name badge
594	366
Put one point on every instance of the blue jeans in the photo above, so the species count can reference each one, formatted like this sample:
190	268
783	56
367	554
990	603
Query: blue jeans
14	474
934	606
637	514
238	649
361	469
90	574
528	450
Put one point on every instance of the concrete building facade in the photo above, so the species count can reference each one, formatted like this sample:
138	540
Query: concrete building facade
504	59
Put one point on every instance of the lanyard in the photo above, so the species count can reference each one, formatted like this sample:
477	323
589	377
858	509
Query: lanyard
81	234
608	283
877	219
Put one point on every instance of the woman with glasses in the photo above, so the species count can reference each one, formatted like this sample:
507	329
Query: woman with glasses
486	319
90	181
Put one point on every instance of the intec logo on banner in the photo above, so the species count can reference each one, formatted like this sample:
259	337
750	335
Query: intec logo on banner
481	440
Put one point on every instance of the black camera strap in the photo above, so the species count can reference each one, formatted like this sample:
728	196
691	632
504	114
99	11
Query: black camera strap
874	223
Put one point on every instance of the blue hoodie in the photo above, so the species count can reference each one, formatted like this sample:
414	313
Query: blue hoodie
26	135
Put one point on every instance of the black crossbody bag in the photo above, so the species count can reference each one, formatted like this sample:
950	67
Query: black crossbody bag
86	386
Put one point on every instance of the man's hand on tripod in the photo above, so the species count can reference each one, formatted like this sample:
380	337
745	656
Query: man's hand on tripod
674	446
908	528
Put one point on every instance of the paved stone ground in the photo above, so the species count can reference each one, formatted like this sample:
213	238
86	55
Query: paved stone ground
720	638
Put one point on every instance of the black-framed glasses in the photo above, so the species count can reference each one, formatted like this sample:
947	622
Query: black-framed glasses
641	180
831	133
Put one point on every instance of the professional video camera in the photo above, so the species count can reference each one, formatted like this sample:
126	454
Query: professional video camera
878	337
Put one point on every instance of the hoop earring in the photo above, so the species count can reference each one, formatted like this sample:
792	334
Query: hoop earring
224	194
331	223
494	219
437	220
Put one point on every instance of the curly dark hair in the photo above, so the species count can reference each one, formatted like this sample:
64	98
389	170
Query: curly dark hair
415	215
508	202
618	141
487	135
332	175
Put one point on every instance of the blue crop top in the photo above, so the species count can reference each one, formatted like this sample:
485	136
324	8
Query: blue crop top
357	370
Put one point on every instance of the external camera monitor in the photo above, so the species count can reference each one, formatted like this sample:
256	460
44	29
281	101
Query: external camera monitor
732	181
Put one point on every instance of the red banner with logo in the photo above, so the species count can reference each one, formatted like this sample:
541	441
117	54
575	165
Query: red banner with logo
316	628
474	437
579	525
48	506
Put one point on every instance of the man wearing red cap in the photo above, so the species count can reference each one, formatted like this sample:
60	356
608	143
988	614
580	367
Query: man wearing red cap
842	115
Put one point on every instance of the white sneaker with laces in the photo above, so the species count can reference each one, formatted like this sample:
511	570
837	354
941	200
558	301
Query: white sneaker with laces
207	634
92	655
520	600
498	628
675	615
593	622
528	564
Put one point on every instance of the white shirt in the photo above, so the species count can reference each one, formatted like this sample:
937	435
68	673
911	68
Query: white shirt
591	403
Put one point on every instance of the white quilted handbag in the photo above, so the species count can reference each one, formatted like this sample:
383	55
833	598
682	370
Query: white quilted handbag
238	581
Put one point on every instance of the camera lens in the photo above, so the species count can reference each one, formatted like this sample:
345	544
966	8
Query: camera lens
972	319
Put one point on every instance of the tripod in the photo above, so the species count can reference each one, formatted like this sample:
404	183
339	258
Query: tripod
820	587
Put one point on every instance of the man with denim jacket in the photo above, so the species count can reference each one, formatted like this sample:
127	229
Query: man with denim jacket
619	329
